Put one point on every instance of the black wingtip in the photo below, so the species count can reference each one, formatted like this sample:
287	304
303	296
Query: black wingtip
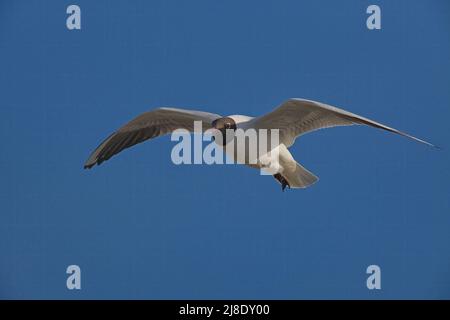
89	165
432	145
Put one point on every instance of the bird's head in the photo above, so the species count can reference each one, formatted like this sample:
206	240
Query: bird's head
226	126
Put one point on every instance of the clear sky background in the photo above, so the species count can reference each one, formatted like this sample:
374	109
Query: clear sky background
141	227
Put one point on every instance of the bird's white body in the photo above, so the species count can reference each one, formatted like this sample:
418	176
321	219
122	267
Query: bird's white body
275	159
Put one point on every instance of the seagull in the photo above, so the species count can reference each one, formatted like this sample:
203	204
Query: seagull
292	118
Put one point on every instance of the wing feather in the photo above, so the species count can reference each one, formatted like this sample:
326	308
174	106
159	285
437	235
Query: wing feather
296	117
146	126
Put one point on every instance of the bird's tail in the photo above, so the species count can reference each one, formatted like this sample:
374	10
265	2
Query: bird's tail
300	177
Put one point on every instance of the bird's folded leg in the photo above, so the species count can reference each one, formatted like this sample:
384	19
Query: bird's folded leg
282	181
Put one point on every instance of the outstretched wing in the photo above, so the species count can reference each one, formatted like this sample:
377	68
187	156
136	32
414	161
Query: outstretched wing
146	126
298	116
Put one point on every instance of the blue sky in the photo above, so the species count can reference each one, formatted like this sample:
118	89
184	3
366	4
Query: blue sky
141	227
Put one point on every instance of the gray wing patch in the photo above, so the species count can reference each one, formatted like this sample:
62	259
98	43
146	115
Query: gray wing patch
147	126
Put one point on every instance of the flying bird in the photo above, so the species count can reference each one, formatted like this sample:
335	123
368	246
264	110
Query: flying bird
292	118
